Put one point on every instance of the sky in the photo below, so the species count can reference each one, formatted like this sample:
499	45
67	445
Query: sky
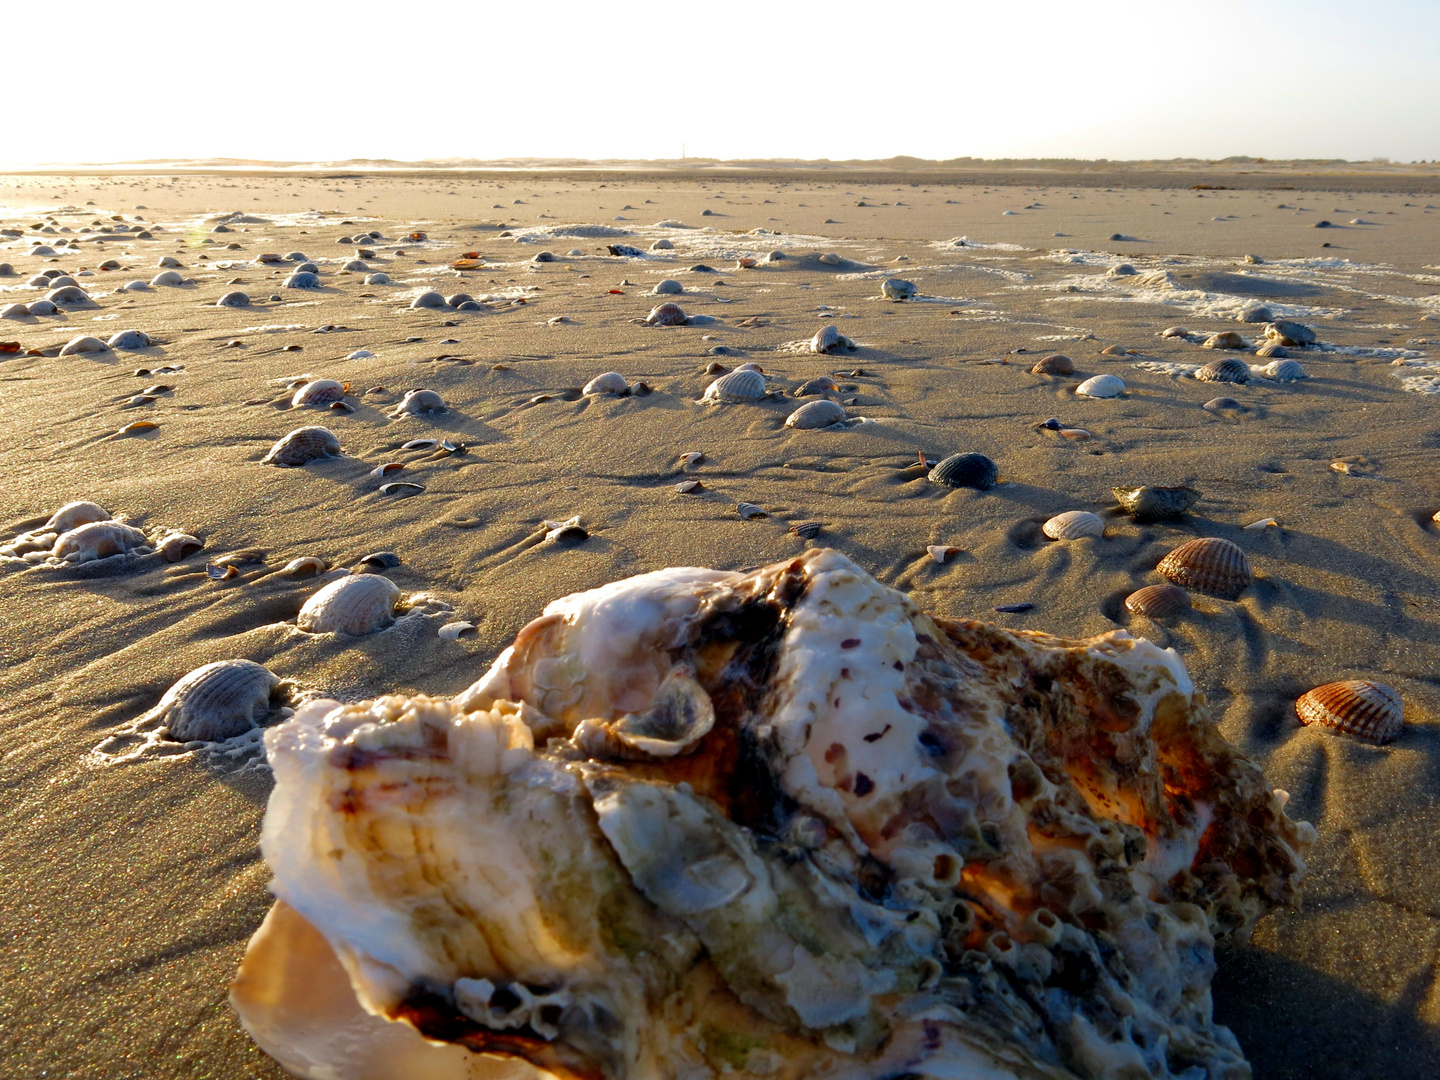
321	80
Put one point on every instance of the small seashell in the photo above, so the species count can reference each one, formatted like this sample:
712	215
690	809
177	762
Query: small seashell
73	515
14	311
544	257
749	511
166	277
1226	339
1079	434
662	245
1054	364
169	261
1158	601
137	426
379	560
1114	350
965	470
828	339
823	385
611	382
1358	466
68	294
217	572
1223	404
356	605
1229	370
453	630
667	315
1263	523
828	259
430	299
233	299
1014	609
40	307
740	385
816	414
129	339
420	444
897	288
84	344
402	487
1285	371
176	546
303	445
568	531
1175	332
305	566
302	279
1101	386
1290	333
807	530
419	401
1073	525
217	701
98	540
691	457
1210	564
1367	710
1270	347
357	266
1156	503
689	487
667	287
941	552
318	392
382	471
341	407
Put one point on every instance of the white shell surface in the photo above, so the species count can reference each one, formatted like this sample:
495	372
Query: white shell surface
816	414
355	605
84	344
1101	386
74	514
611	382
826	339
419	401
740	385
98	540
1285	370
166	277
1073	524
217	701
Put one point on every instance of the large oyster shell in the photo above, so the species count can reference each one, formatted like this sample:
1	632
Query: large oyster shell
778	824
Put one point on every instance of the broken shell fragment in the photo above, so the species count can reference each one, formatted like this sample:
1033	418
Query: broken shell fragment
217	701
402	488
380	560
1158	601
807	530
356	605
1147	504
691	457
382	471
940	553
1073	525
137	426
303	445
1290	333
1367	710
217	572
749	511
828	340
306	566
1210	564
897	289
453	630
176	546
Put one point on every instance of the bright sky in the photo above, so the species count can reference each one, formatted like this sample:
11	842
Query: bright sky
313	80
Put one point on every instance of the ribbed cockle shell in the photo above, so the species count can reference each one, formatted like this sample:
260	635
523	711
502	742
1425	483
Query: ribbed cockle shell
1210	564
965	470
216	701
740	385
1229	370
1158	601
356	605
667	315
302	445
1073	525
816	414
318	392
1367	710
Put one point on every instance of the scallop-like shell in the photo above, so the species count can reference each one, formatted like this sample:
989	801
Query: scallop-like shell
1073	525
1290	333
318	392
166	277
302	445
823	385
303	279
667	287
740	385
966	470
419	401
84	344
1271	348
1367	710
216	701
667	315
1229	370
1054	364
611	382
807	530
1226	339
1210	564
1158	601
358	604
234	299
129	339
816	414
358	266
1285	371
1101	386
897	288
98	540
828	339
73	515
1148	503
177	545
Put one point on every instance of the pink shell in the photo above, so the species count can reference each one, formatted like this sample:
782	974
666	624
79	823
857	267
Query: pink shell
1367	710
1209	564
1158	601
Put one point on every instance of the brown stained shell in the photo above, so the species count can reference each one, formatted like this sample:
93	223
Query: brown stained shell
941	552
306	566
137	426
1073	525
667	315
1226	339
1229	370
318	392
1158	601
1054	364
1209	564
1366	710
823	385
303	445
807	530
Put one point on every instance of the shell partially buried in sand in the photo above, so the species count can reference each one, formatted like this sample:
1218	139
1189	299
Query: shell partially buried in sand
356	605
98	540
303	445
777	824
1074	525
217	701
1211	564
1369	711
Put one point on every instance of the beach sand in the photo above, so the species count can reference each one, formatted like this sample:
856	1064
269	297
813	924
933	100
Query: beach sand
129	888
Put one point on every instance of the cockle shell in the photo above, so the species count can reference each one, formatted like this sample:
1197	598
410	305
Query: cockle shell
749	511
217	701
169	261
129	339
419	401
302	445
1073	525
356	266
1156	503
355	605
73	515
611	382
1101	386
318	392
40	307
1271	347
807	530
1367	710
377	279
167	277
822	385
965	470
1209	564
302	279
14	311
828	339
740	385
428	299
1290	333
84	345
1054	364
98	540
177	545
233	299
1226	339
68	294
667	315
1285	371
1229	370
816	414
667	287
1158	601
897	288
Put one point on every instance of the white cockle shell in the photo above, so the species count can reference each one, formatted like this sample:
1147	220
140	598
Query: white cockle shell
216	701
355	605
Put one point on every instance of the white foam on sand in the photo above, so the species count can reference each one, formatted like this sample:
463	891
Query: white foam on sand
580	230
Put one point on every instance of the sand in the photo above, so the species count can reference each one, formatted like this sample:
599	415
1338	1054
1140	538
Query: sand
128	889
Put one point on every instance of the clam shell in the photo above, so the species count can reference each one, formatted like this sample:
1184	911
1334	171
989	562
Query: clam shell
897	288
662	245
1290	333
355	605
740	385
807	530
1229	370
383	470
14	311
216	701
1226	339
823	385
40	307
419	401
749	511
429	299
1223	404
828	259
402	488
1367	710
1209	564
1101	386
667	315
84	344
668	287
1158	601
1175	332
828	339
166	277
303	279
302	445
176	546
611	382
816	414
965	470
68	294
1073	525
377	279
1054	364
691	457
138	426
1156	503
233	299
306	566
941	552
73	515
169	261
380	560
98	540
129	339
1285	371
318	392
358	266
